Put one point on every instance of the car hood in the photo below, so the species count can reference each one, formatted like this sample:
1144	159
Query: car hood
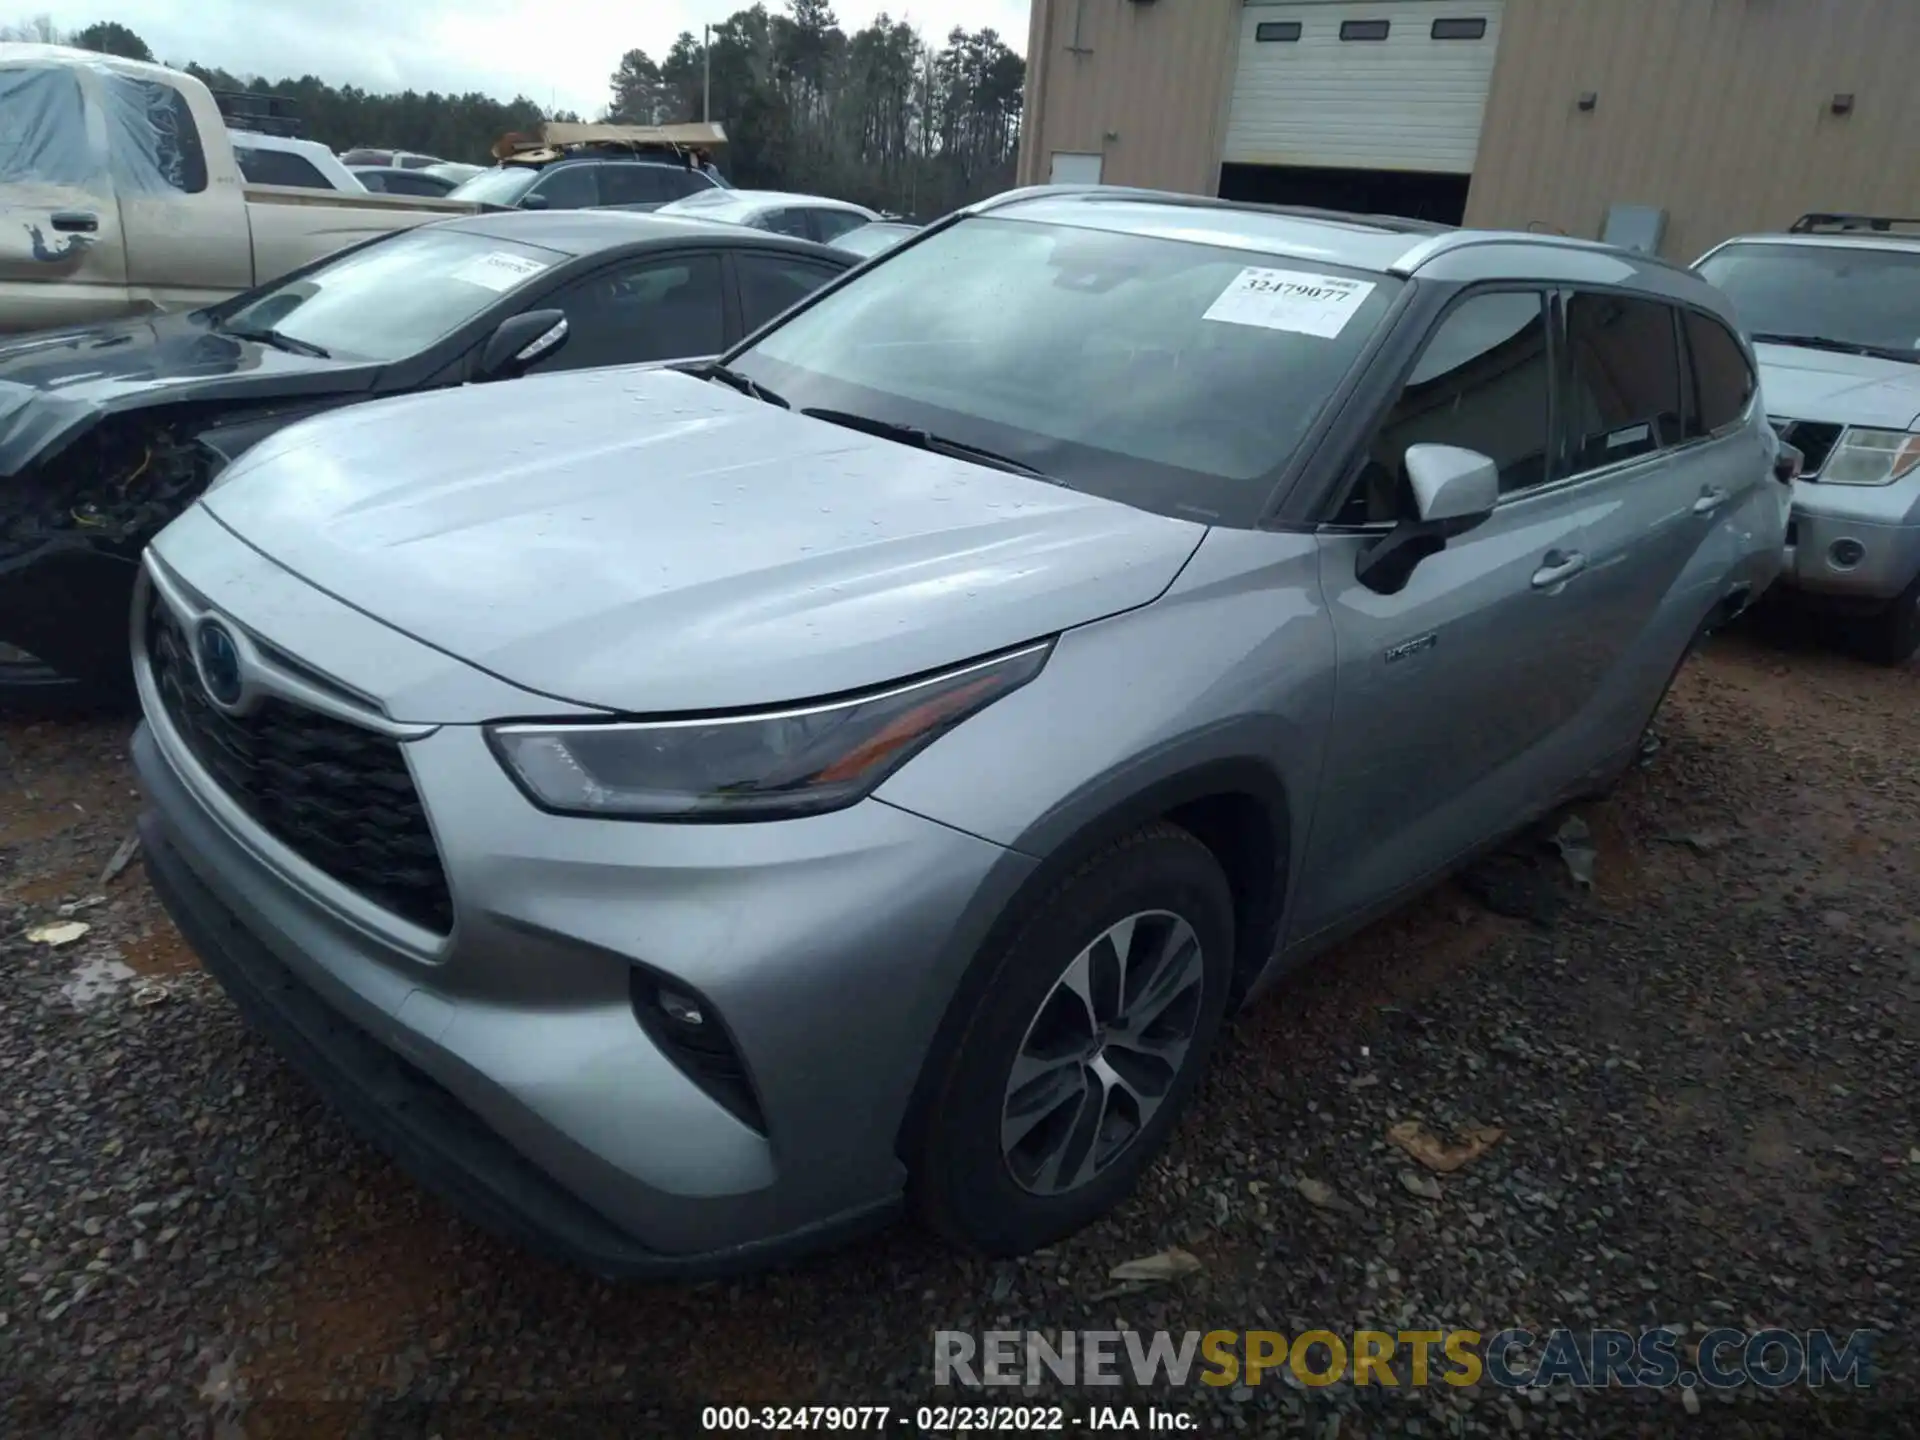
1839	389
54	385
643	541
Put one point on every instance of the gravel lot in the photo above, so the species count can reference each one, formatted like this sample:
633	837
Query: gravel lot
1705	1068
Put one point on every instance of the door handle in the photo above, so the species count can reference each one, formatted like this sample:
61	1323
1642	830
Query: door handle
1556	566
82	221
1711	499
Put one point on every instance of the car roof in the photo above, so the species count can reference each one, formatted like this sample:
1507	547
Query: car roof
754	198
1390	244
582	232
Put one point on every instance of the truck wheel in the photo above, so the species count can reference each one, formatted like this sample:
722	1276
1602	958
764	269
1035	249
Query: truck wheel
1891	636
1083	1046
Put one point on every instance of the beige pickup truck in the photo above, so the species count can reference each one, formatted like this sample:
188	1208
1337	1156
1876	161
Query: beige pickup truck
119	196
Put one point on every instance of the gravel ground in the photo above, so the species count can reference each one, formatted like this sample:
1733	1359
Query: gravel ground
1705	1069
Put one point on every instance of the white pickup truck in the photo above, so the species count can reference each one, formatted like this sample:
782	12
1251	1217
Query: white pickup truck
119	195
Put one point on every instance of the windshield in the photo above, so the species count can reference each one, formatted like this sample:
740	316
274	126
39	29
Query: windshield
1175	376
1852	294
394	298
503	186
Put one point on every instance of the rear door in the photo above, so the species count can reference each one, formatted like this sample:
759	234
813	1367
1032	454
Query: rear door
59	220
1455	695
1659	555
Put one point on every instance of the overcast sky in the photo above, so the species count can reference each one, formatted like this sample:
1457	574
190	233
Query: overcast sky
559	55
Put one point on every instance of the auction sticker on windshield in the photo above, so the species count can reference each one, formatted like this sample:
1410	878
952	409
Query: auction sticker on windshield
1290	300
497	270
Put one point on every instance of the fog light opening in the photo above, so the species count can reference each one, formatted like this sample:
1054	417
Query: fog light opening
692	1035
1845	554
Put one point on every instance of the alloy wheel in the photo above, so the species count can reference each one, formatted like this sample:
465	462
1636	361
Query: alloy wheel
1102	1052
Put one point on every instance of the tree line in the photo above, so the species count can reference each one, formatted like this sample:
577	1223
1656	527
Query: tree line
877	116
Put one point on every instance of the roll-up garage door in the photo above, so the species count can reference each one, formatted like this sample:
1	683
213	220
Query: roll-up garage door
1391	85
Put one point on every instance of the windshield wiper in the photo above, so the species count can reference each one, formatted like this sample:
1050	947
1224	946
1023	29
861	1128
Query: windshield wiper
745	385
926	440
278	341
1843	347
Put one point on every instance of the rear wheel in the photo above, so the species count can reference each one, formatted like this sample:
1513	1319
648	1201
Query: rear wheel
1889	636
1084	1044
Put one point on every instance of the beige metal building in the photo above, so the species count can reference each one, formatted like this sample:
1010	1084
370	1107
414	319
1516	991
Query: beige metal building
1673	123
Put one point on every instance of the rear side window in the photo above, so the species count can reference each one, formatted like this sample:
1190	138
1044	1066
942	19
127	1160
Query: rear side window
785	222
635	185
1722	379
1623	395
279	167
770	284
830	224
1482	383
155	142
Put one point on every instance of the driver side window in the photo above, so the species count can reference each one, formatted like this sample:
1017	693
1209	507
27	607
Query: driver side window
1482	383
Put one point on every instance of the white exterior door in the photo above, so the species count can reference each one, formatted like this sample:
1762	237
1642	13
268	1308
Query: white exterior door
1385	85
1070	168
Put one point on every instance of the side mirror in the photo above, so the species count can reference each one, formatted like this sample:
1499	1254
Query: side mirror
1451	486
1453	491
1788	463
519	341
535	202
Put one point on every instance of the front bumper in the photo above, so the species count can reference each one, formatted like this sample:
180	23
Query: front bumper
420	1124
829	948
1854	542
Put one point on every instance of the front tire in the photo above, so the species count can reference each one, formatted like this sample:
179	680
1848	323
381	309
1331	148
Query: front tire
1890	636
1082	1047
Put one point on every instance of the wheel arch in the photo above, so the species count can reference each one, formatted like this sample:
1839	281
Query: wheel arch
1239	808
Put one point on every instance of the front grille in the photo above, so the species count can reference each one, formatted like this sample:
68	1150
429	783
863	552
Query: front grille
1814	440
338	795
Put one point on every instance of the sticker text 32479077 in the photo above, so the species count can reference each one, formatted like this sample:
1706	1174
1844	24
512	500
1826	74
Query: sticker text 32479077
1293	300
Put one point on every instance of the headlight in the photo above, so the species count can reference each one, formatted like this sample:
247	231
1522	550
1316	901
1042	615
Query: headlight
801	761
1871	457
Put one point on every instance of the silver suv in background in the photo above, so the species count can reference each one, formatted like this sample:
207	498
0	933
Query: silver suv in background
691	811
1833	310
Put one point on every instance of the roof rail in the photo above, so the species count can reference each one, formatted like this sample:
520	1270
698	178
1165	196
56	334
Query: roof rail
1397	223
1819	222
261	113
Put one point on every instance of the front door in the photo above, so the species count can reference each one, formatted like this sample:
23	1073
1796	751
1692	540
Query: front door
59	222
1453	696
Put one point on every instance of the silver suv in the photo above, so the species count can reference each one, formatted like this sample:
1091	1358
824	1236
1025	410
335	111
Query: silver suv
689	811
1833	308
